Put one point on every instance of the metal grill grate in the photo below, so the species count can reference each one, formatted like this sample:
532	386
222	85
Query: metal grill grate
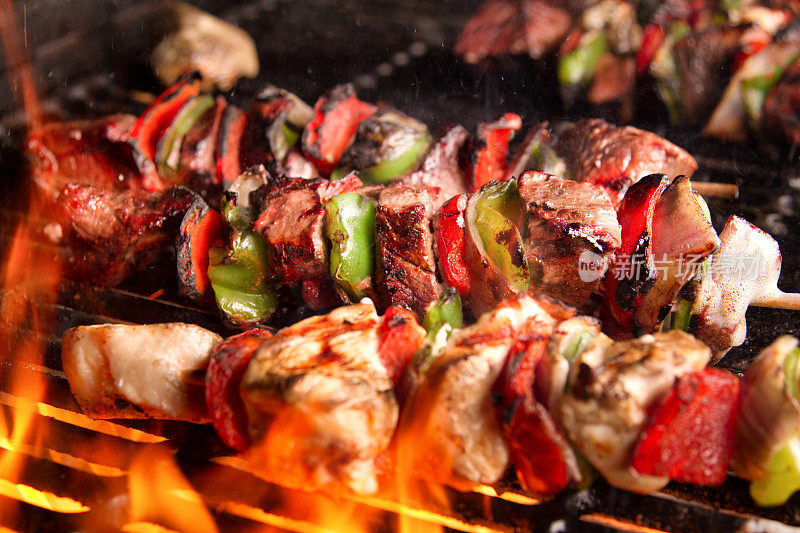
66	482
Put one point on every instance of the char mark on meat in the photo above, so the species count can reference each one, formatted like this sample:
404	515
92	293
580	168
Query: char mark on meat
407	267
616	157
566	220
447	166
113	234
292	221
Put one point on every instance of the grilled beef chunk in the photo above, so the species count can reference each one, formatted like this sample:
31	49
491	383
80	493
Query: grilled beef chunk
492	31
702	59
616	157
292	221
61	153
406	274
612	389
447	166
115	233
320	403
782	107
123	371
510	27
567	219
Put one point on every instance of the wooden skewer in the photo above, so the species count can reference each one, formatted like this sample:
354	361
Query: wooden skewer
778	300
716	190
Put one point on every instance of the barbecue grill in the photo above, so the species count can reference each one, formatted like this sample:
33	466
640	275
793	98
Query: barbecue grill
61	471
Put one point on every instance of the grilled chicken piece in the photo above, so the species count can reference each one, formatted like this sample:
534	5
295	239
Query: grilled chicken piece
613	387
320	404
200	41
115	233
616	157
450	430
567	222
447	166
782	106
406	274
122	371
63	153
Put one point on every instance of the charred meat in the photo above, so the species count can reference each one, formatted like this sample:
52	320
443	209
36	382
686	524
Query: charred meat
115	233
565	220
407	268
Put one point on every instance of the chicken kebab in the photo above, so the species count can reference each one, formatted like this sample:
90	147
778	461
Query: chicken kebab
529	387
729	65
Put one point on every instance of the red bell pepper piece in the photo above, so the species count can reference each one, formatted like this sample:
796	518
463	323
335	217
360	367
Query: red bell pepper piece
491	160
750	48
542	458
226	368
690	438
229	145
200	229
151	124
333	128
652	39
626	281
451	243
515	381
538	450
400	338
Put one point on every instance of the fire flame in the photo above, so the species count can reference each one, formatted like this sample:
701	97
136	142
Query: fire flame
156	495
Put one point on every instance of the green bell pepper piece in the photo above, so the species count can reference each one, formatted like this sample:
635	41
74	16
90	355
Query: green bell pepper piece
239	217
168	155
782	479
391	169
350	226
756	89
240	279
578	66
442	317
499	213
577	344
445	310
783	475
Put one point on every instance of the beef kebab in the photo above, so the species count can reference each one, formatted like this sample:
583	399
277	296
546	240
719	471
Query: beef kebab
606	52
530	386
194	139
648	266
322	242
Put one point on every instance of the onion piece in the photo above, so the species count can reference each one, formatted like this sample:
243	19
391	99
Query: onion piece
729	120
769	415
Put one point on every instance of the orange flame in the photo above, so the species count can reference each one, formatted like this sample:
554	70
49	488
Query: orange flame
162	496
